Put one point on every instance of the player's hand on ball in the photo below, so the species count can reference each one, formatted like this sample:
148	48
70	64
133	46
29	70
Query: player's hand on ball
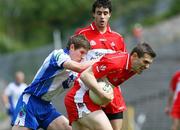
107	94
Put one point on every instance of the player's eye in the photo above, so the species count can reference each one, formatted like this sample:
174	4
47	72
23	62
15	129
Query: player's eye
105	13
99	13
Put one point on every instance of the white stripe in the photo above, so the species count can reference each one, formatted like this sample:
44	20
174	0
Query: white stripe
20	120
26	98
82	111
84	30
92	27
127	64
78	98
177	90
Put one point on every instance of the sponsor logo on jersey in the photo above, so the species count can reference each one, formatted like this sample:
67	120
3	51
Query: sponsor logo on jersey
102	40
80	105
98	54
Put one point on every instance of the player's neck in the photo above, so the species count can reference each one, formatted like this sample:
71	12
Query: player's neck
102	30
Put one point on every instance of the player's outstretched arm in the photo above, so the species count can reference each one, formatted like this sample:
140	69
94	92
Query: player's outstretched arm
76	66
169	102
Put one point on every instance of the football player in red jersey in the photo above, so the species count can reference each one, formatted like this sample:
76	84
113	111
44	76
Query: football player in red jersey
104	40
117	67
173	104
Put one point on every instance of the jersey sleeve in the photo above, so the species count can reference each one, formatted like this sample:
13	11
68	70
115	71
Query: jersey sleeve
123	44
103	67
175	79
8	90
59	57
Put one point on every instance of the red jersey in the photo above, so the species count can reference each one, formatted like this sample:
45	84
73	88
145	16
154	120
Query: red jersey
102	43
175	86
115	66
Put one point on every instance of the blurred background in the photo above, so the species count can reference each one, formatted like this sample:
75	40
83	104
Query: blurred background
31	29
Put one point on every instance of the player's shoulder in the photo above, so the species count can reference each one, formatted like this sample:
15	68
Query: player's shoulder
116	34
24	85
115	57
83	30
176	75
118	54
11	85
61	53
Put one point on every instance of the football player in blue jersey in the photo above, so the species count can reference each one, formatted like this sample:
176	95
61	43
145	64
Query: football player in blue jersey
34	109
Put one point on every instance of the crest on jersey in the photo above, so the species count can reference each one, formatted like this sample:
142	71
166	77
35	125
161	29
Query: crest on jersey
92	43
115	79
112	44
102	67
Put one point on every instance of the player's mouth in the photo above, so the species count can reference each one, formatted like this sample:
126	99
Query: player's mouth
102	22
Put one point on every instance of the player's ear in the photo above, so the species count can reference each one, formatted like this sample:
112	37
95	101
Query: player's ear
135	55
93	15
72	47
109	14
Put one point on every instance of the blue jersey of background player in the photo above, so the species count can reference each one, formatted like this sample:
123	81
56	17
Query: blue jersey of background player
34	109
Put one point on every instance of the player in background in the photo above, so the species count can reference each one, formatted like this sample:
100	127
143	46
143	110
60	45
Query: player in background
116	67
137	32
173	103
104	40
34	109
12	93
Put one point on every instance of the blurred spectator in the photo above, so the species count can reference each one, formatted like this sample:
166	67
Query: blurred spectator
12	93
173	103
137	33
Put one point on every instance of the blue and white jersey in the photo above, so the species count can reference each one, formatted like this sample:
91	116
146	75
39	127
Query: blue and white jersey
52	78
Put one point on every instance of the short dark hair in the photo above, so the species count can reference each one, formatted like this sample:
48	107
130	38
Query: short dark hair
143	48
102	3
79	41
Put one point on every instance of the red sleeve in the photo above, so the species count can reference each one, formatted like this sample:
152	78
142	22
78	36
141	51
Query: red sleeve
123	44
174	80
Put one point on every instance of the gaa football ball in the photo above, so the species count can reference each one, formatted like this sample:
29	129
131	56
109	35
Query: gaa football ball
107	87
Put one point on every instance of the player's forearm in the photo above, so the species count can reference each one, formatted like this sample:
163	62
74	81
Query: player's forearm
170	99
5	101
90	81
84	65
78	67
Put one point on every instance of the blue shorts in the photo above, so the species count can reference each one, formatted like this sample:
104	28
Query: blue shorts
33	112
